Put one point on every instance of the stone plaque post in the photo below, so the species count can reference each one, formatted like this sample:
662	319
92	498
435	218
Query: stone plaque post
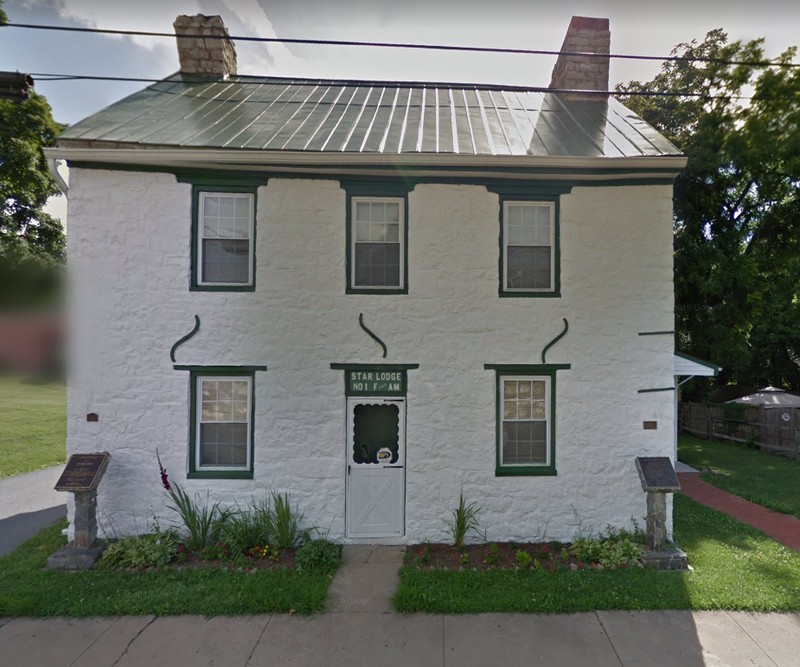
81	477
658	479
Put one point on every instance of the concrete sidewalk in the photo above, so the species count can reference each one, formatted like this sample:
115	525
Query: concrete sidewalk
28	503
613	639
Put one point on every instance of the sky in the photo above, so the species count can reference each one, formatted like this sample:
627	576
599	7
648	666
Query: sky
646	27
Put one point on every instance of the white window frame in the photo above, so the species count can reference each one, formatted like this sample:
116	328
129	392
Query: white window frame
552	208
354	201
251	237
199	379
548	398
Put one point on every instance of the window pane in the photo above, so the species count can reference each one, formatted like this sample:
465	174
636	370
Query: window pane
226	261
524	443
528	267
375	427
393	212
509	389
363	211
377	264
223	445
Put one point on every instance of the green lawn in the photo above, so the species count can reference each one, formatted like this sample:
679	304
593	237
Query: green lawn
33	425
735	567
766	479
28	590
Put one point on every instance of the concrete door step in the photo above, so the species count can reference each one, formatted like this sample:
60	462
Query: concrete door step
366	580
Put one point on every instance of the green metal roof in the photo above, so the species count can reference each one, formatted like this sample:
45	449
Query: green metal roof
369	117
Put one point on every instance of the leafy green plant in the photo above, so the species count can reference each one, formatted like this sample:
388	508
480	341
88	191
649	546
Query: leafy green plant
493	557
524	559
464	559
203	523
287	529
613	549
464	521
249	528
140	551
318	556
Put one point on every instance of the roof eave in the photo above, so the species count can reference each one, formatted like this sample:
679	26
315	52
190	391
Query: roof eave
664	166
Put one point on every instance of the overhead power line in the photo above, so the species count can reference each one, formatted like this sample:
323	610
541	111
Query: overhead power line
249	80
401	45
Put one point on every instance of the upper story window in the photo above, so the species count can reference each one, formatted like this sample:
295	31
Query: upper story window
378	246
224	239
377	237
529	249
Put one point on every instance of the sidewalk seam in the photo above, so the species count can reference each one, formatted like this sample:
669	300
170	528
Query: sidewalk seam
608	637
752	639
258	641
99	637
133	639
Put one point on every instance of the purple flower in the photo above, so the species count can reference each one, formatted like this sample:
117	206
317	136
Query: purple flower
163	471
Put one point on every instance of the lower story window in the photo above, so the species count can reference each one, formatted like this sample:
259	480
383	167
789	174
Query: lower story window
526	419
526	428
222	428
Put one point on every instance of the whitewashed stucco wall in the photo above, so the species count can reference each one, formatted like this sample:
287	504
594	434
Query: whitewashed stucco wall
129	266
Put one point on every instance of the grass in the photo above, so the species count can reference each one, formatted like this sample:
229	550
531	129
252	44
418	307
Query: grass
26	589
735	567
766	479
33	425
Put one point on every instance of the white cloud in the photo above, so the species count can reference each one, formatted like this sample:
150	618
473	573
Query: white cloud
245	17
258	57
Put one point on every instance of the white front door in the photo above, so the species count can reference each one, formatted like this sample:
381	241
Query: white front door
376	443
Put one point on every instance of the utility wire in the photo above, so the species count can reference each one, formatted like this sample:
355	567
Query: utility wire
400	45
250	80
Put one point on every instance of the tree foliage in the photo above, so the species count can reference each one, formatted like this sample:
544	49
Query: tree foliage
736	204
31	241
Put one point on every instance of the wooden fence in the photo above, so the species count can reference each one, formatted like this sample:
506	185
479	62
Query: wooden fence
775	429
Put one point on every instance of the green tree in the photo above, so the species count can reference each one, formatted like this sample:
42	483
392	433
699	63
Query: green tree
736	204
31	241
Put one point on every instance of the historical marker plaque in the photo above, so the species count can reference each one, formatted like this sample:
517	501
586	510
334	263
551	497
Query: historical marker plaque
83	472
657	474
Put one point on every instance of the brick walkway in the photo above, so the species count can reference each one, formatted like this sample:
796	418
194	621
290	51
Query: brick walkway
783	528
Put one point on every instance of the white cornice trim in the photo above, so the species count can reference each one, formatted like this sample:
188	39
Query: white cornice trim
268	160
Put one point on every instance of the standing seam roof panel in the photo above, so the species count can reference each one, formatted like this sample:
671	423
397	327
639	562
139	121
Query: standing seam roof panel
370	117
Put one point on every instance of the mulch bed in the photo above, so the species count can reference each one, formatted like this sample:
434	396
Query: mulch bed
546	556
199	560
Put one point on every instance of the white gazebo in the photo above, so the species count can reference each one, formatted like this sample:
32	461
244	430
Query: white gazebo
769	397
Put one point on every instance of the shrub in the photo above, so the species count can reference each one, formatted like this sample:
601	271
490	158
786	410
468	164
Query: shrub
464	521
318	556
140	551
203	523
613	549
524	559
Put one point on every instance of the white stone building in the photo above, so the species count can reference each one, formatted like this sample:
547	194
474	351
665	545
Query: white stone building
397	291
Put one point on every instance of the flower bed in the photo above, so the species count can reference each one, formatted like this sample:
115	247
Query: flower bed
545	556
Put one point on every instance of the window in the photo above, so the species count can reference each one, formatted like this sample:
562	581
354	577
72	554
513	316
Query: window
377	253
526	427
529	262
224	240
526	419
222	424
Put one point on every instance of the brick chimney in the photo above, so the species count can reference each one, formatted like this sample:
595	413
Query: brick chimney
215	56
584	35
